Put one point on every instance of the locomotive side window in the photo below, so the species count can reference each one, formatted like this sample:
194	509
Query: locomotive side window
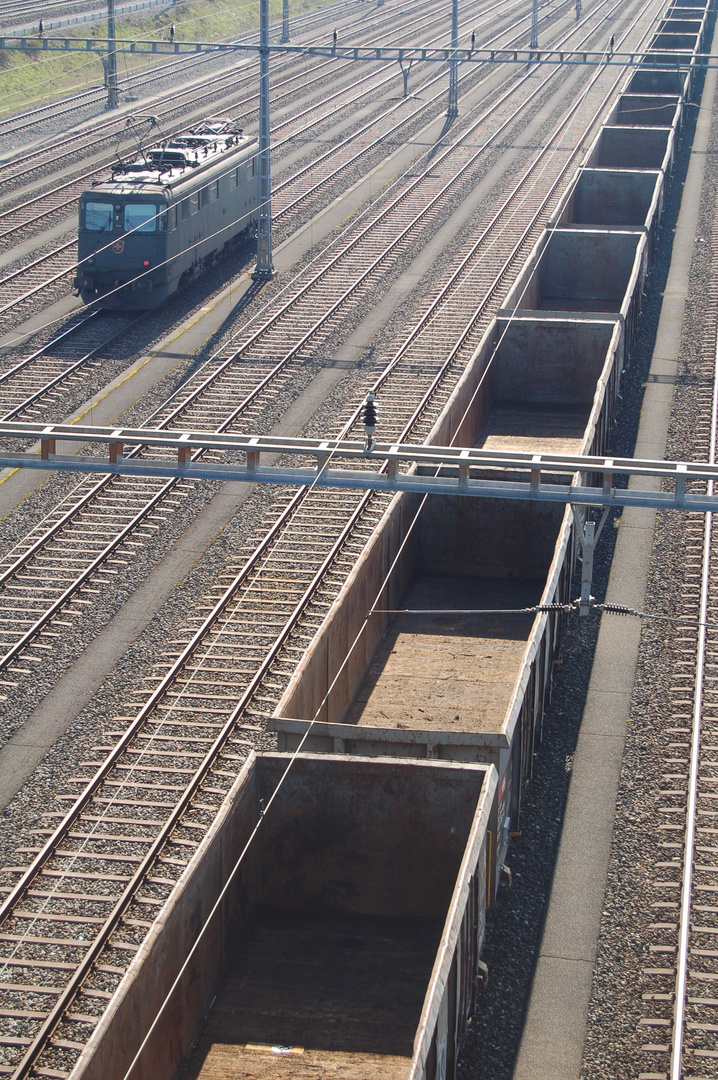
98	216
205	195
173	217
194	203
140	216
214	191
185	209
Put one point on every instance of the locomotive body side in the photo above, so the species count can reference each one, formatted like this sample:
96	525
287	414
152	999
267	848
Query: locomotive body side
148	230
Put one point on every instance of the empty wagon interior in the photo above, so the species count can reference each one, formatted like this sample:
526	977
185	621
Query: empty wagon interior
338	919
578	270
450	663
646	110
631	148
613	198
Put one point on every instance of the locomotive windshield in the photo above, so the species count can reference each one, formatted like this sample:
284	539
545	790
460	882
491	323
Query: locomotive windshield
98	216
140	216
129	217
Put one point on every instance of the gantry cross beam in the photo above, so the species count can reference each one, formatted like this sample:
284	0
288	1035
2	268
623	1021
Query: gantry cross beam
570	479
679	59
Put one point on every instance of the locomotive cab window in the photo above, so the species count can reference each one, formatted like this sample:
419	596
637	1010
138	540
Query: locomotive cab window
98	216
142	217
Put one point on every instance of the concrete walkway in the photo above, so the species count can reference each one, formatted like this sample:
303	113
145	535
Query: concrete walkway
555	1026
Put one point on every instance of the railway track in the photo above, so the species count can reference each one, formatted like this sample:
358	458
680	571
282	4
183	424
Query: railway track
20	9
291	194
26	386
20	288
149	795
16	123
680	972
288	73
304	316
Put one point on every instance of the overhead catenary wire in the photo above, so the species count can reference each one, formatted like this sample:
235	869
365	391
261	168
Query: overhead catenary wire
297	752
258	823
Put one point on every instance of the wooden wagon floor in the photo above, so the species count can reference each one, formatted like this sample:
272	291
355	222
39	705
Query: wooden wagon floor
319	997
544	426
449	672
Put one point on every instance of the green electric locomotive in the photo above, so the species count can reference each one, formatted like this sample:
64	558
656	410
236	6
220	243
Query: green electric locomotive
161	218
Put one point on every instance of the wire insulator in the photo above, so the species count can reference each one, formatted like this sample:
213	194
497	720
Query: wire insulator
369	412
618	609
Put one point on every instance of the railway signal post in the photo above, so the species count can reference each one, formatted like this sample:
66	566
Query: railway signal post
265	267
285	23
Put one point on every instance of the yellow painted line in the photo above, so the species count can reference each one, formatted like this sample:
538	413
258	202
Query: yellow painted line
165	345
130	374
9	475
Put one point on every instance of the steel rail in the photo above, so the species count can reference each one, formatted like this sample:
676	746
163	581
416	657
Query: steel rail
421	106
112	129
58	275
82	579
149	75
92	953
466	262
49	1026
74	367
424	105
22	364
112	125
35	290
159	692
692	794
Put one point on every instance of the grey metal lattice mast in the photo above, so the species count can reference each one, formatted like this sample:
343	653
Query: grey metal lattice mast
265	266
285	23
533	44
113	97
454	63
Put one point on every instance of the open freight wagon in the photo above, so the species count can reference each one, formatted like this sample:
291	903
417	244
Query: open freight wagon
466	676
348	942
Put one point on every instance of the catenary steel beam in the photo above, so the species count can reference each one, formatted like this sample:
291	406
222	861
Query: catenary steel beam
683	58
441	470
